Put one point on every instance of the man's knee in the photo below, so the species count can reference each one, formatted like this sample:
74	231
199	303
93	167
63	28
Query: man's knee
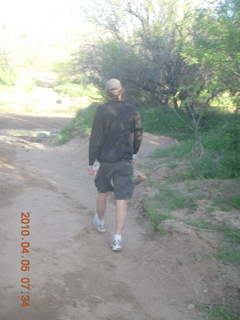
102	195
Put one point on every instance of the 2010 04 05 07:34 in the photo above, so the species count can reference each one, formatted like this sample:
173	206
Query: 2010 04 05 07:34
25	263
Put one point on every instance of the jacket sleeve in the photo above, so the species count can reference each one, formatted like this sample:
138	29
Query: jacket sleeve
96	136
137	132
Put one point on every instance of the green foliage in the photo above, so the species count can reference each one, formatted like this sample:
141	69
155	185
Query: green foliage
220	160
220	312
171	199
215	47
4	87
176	151
229	253
222	131
167	200
7	76
162	204
146	58
77	90
232	234
79	125
212	165
204	167
200	224
222	149
181	56
220	140
71	90
228	248
111	59
234	202
28	87
163	120
156	218
64	136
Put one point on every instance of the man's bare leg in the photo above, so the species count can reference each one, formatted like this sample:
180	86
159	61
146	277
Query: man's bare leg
121	212
101	205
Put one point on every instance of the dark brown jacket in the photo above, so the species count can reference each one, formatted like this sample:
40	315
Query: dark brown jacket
116	132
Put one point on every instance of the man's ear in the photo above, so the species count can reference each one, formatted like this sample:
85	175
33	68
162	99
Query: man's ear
121	94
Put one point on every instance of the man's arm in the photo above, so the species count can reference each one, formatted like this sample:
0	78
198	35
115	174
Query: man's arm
137	133
96	136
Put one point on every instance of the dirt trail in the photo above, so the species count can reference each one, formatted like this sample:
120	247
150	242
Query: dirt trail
74	274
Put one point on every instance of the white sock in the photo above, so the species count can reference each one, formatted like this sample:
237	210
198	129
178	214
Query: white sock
118	237
101	222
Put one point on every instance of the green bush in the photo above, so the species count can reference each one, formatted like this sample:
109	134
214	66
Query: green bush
163	120
202	168
219	136
229	253
222	151
77	90
7	75
220	312
156	217
171	199
235	202
81	124
176	151
212	165
84	118
224	135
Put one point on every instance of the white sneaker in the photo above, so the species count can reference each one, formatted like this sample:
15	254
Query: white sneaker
116	244
100	227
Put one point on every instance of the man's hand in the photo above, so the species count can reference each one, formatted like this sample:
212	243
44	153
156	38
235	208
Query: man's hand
91	171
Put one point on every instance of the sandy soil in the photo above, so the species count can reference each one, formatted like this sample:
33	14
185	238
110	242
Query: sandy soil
74	274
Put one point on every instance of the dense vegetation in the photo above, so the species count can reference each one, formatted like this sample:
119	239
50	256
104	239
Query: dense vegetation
219	156
180	65
164	52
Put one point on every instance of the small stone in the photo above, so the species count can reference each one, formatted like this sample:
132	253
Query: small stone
54	133
191	306
139	178
42	135
95	298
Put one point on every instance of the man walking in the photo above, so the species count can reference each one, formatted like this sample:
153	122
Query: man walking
116	135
